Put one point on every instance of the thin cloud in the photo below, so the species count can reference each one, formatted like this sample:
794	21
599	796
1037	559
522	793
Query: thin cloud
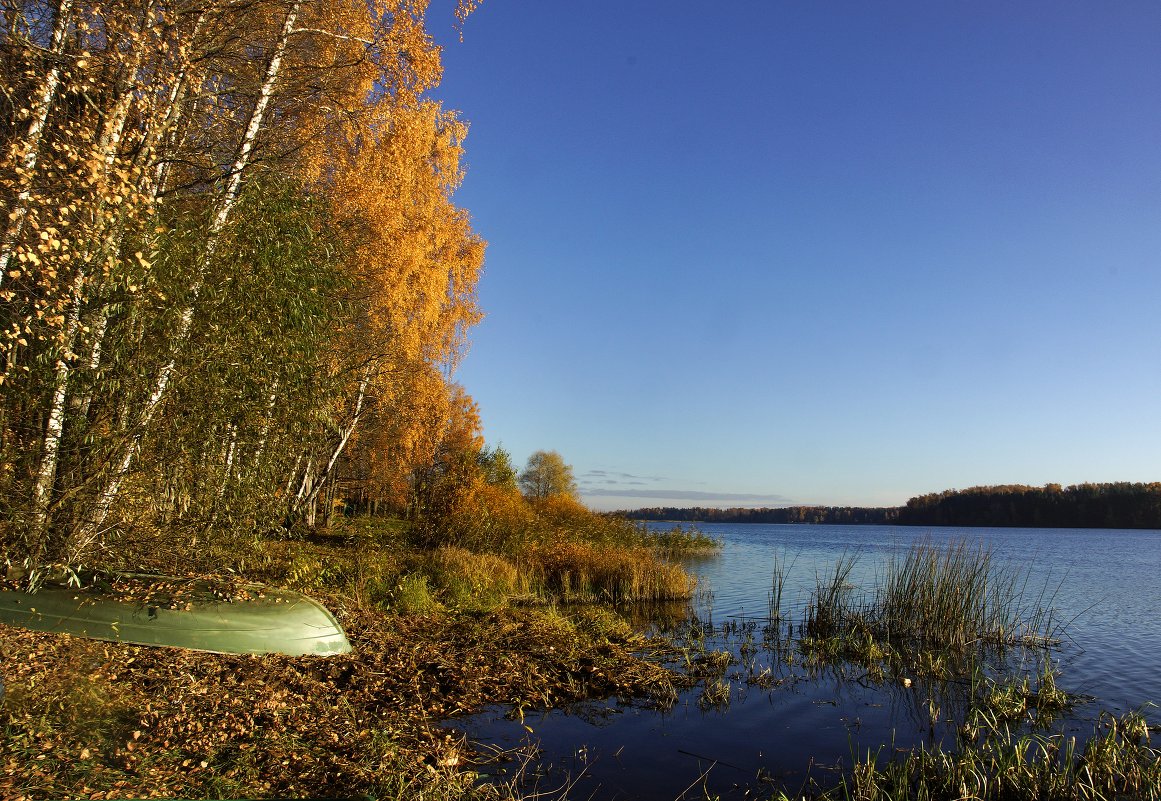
691	495
627	476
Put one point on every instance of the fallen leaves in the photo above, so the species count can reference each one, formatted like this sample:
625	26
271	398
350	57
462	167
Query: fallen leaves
180	722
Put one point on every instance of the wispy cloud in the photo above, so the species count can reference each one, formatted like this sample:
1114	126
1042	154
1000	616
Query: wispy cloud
688	495
629	477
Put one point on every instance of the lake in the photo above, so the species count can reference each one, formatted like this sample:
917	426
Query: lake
1103	585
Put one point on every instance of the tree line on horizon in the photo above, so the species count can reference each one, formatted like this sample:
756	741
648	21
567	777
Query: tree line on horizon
1108	505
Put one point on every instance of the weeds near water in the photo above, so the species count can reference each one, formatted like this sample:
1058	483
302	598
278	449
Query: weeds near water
576	571
1117	763
830	609
473	581
950	597
412	596
715	694
1016	700
679	543
711	663
778	585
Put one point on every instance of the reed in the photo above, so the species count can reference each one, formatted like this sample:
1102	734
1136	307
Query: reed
1116	763
1016	699
777	586
578	571
941	597
715	694
830	609
952	595
678	542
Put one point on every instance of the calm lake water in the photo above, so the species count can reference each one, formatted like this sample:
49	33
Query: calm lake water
1104	585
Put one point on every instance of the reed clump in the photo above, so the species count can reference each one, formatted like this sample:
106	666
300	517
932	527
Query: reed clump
582	572
1021	699
501	520
561	550
468	580
557	550
1116	763
678	542
935	597
715	694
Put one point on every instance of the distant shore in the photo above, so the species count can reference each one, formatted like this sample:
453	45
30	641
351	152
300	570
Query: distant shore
1110	505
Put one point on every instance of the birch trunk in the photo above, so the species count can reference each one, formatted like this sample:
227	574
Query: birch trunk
26	150
89	531
264	434
105	231
307	499
294	475
229	469
46	474
152	186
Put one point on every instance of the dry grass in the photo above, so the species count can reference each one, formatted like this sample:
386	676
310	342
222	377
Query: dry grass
397	576
577	571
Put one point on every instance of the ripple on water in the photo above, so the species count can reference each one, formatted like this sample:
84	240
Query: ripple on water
1106	583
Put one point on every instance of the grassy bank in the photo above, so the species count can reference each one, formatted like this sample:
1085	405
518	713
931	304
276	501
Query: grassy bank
437	632
1000	764
441	630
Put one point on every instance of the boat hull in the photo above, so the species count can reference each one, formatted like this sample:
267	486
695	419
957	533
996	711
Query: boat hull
271	621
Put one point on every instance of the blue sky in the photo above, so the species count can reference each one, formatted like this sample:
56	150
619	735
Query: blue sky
756	253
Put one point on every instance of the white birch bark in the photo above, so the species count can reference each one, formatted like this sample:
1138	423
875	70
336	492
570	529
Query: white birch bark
108	143
307	482
26	151
305	499
151	187
267	423
89	531
294	475
229	461
50	451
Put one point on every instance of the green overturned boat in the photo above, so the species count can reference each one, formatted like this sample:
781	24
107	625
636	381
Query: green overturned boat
198	614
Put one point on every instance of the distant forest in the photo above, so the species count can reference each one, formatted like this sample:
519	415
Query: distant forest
1116	505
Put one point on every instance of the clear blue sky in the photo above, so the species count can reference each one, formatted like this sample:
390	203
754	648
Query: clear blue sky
748	252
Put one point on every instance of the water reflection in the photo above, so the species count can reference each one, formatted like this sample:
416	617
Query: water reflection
770	709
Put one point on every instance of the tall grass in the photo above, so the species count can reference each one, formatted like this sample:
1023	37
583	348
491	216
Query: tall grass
778	585
468	580
558	550
831	608
409	580
1117	763
677	542
950	597
499	520
578	571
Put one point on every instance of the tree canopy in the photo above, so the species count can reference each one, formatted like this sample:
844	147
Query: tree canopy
233	282
546	474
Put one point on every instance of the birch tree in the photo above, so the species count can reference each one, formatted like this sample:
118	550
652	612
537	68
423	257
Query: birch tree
132	131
